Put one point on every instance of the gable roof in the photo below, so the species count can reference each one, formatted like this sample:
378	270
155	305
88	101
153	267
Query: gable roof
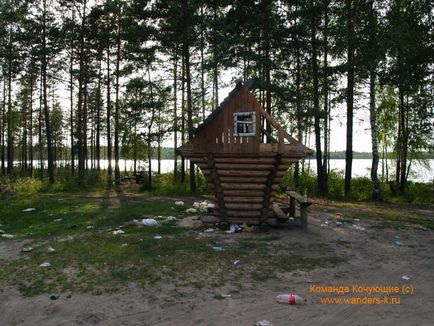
221	107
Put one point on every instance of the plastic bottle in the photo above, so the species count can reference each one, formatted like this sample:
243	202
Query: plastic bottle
290	299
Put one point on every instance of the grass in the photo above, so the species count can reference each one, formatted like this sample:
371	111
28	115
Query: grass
361	188
387	215
89	258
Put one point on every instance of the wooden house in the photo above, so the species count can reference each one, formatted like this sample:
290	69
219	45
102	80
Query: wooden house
241	169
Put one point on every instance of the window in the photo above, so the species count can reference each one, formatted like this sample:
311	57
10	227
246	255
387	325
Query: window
244	124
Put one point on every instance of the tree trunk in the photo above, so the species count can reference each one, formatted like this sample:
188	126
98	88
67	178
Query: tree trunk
24	118
149	160
109	141
202	70
135	148
31	120
215	62
150	124
317	127
40	139
175	115
118	59
350	97
298	110
267	61
189	111
85	109
98	119
159	144
376	194
404	144
3	126
71	110
183	116
10	142
326	98
80	118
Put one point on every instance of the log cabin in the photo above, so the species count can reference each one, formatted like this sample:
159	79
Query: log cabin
243	153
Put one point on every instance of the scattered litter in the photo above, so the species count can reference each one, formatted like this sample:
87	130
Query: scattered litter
179	203
236	262
263	323
58	220
158	237
235	228
149	222
208	230
420	227
118	232
338	223
324	225
170	218
290	299
51	249
399	243
218	249
31	209
45	265
201	206
27	249
89	227
358	227
7	236
137	222
191	210
247	228
406	278
226	296
356	219
54	296
124	244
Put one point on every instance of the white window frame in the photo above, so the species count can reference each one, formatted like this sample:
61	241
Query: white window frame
253	123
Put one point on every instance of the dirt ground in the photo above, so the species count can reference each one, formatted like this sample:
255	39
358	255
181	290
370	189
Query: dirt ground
371	258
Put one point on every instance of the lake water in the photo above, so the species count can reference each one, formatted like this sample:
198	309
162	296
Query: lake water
421	171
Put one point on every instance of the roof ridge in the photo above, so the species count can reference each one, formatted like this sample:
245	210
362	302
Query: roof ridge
221	106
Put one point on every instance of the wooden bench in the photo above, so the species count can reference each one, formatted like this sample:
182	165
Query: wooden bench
295	199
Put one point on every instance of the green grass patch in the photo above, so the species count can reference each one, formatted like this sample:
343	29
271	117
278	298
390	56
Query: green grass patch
89	258
386	215
63	214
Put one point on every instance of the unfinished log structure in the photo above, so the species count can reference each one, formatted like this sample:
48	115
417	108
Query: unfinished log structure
243	172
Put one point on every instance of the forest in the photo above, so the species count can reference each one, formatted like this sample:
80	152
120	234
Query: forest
85	81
